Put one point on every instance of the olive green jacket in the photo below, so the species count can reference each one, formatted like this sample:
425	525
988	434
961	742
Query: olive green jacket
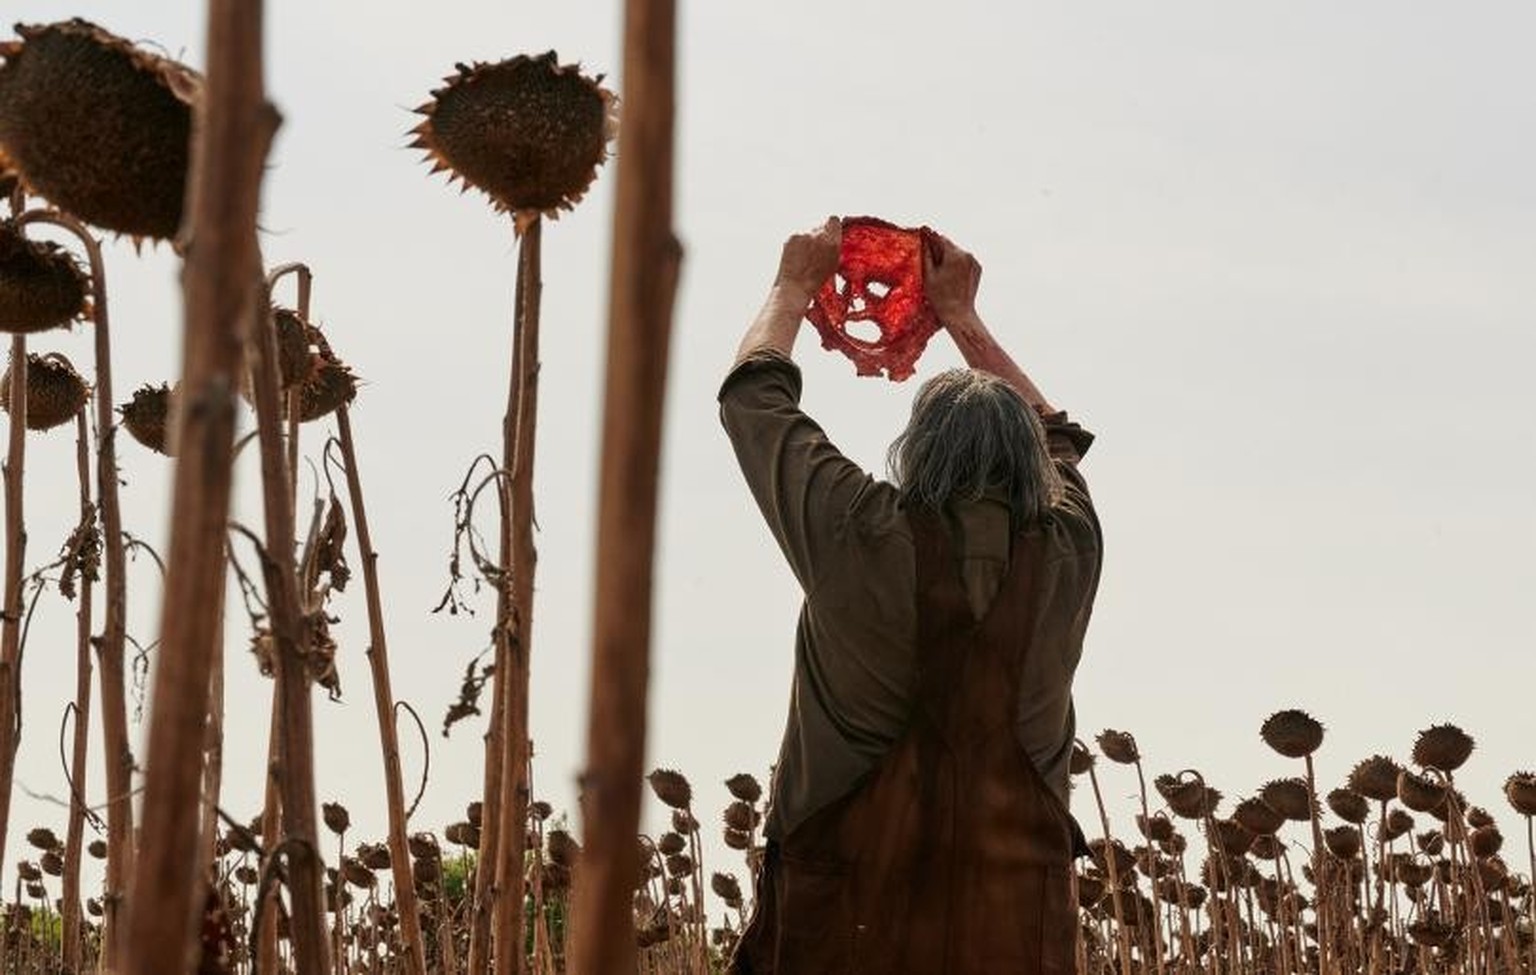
848	543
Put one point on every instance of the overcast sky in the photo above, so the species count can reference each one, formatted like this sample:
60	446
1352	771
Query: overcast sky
1278	256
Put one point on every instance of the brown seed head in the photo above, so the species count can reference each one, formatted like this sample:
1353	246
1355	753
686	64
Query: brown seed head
727	888
1289	798
1375	778
374	856
1158	828
43	838
1232	837
1443	746
1258	817
423	846
671	788
97	849
1292	733
528	132
744	787
1081	761
737	840
42	286
336	818
149	417
1397	824
52	863
538	811
739	815
1520	790
1187	797
1342	841
1119	746
56	393
1486	841
98	126
1431	842
1421	793
1349	806
671	844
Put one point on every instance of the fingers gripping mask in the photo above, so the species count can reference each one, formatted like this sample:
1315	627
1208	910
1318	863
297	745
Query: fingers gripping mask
875	310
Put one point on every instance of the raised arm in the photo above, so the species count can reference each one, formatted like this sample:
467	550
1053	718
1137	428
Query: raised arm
952	277
805	264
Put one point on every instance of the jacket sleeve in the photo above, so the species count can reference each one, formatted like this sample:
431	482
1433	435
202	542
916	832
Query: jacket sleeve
804	486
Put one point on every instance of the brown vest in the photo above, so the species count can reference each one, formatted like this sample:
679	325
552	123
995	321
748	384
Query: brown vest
952	857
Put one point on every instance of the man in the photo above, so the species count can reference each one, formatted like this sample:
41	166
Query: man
918	819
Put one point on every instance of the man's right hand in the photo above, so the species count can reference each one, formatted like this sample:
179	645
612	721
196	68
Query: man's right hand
951	278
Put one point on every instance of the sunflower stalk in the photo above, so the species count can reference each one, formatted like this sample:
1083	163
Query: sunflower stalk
383	699
514	604
647	259
15	556
75	833
235	129
112	647
292	647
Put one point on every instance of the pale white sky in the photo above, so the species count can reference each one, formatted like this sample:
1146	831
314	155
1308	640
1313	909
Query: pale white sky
1278	256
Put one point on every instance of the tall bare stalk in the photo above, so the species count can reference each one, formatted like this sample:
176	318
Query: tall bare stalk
234	130
514	603
291	650
646	262
112	647
74	836
15	556
384	708
1113	869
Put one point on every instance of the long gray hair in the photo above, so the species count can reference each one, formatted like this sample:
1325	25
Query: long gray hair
971	434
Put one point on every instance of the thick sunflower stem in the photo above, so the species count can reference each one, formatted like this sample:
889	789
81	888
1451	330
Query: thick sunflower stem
647	259
233	132
514	604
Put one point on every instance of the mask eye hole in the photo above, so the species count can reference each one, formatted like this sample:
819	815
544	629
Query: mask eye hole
878	289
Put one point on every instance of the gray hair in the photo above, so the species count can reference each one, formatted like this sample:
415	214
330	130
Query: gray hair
972	434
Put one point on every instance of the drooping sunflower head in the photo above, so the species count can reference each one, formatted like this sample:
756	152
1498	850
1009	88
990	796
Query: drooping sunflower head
98	126
150	417
528	132
42	286
55	391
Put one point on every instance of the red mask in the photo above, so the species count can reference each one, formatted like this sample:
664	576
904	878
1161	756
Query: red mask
879	280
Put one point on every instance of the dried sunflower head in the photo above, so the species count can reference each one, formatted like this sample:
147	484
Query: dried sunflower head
149	417
1421	793
528	132
55	391
1349	806
1288	797
1375	778
1119	746
42	286
98	126
1520	790
1443	746
1292	733
671	788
